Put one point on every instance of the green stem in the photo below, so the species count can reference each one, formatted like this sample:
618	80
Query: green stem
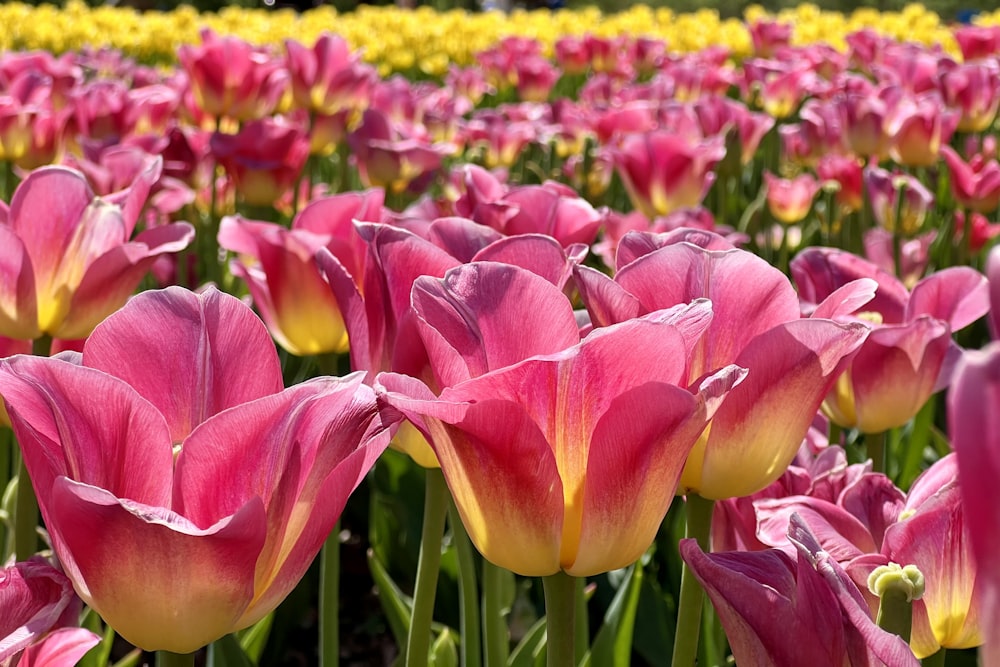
418	639
494	624
26	512
936	660
699	526
329	600
468	601
26	520
875	443
582	644
560	623
168	659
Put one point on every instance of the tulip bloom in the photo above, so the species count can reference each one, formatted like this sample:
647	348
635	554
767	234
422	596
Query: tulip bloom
279	267
66	259
904	360
663	172
264	160
39	606
185	493
975	184
790	200
328	78
537	460
757	325
777	611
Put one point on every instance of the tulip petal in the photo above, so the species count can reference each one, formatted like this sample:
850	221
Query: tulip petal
34	596
846	300
501	472
840	533
875	501
635	460
159	580
958	295
113	277
935	539
58	197
485	316
119	443
460	237
202	354
302	452
62	648
748	295
607	302
757	431
636	244
539	254
18	303
895	372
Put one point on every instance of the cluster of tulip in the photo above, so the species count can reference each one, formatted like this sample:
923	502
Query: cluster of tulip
751	306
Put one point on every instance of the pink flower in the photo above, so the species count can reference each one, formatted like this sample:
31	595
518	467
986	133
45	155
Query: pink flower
790	200
67	256
171	437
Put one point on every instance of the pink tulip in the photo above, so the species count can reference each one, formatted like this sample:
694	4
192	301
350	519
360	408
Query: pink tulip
884	190
264	160
68	260
906	357
978	42
846	172
387	159
232	79
279	267
39	606
974	90
790	199
212	489
756	325
328	78
981	230
767	36
777	611
663	172
975	184
536	459
917	127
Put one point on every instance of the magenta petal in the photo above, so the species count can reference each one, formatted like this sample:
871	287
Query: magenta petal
539	254
34	597
119	443
58	196
113	277
301	452
606	301
757	598
62	648
133	198
484	316
975	430
161	581
363	349
460	237
958	295
203	353
846	300
875	501
748	295
840	533
638	244
864	638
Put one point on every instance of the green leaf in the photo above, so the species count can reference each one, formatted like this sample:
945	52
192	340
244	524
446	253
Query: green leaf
226	652
254	639
100	654
132	659
613	644
396	605
525	652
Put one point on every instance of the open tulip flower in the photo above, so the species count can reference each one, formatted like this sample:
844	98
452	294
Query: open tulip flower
67	259
547	473
39	610
909	354
757	324
184	491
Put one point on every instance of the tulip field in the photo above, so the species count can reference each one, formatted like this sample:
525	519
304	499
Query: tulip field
418	338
